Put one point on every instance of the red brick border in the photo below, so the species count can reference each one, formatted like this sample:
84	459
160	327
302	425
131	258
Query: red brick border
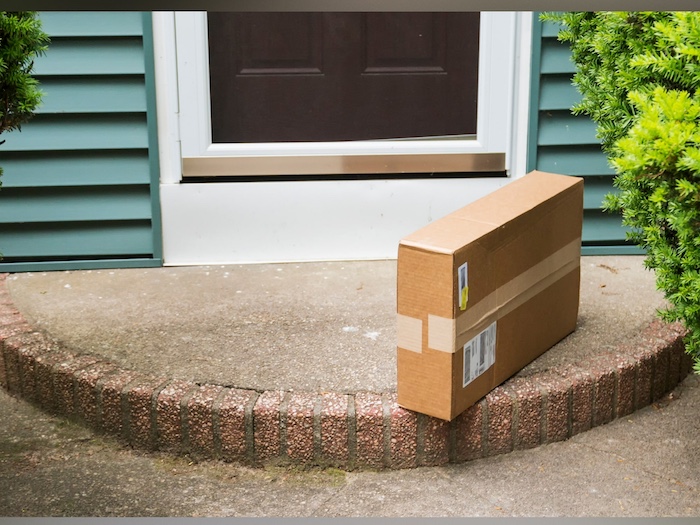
468	430
168	403
235	424
203	434
364	429
266	426
370	429
335	429
403	435
299	424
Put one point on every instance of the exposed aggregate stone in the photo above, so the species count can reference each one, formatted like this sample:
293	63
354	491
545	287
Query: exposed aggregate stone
500	424
528	414
266	414
335	429
369	415
233	423
64	381
300	426
168	419
436	441
468	429
404	435
86	398
200	420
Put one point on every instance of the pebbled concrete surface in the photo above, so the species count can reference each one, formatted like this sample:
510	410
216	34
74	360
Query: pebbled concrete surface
309	327
267	327
51	467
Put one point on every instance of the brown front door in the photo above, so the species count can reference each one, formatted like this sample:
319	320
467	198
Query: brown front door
288	77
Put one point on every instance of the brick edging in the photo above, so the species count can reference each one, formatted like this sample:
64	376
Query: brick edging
361	430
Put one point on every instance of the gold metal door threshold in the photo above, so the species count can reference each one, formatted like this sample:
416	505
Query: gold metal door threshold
272	165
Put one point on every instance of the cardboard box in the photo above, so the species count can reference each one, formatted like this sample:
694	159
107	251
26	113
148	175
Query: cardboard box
493	285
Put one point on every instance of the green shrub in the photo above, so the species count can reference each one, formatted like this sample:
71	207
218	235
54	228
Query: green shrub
639	75
21	41
602	46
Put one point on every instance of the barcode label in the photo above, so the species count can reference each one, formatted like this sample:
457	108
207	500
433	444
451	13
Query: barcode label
479	354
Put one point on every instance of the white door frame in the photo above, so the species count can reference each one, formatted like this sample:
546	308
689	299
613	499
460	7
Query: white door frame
241	222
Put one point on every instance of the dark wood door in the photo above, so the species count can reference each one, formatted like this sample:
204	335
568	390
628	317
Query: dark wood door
286	77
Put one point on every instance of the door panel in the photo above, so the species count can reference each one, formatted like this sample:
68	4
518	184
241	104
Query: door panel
404	43
288	44
289	77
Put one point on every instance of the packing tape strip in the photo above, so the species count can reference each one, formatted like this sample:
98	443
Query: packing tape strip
409	333
445	334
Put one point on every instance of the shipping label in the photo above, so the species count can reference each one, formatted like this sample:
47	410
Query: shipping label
479	354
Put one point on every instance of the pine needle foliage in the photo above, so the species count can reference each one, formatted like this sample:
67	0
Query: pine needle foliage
639	77
21	41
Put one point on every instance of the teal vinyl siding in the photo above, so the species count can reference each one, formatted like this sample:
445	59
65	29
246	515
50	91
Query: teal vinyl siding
98	241
111	56
79	132
561	142
80	188
109	94
104	203
117	23
77	168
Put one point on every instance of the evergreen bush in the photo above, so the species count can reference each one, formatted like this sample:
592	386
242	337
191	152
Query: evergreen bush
21	41
639	74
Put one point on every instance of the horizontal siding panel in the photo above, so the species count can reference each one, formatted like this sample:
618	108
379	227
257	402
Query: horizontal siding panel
595	190
550	29
113	56
556	58
579	160
558	93
74	168
79	23
78	187
562	128
76	240
78	132
567	144
611	249
602	227
103	203
80	264
103	94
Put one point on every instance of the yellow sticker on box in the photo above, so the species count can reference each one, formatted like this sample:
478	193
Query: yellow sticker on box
462	275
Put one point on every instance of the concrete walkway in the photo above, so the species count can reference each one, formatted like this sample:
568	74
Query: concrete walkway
644	465
296	363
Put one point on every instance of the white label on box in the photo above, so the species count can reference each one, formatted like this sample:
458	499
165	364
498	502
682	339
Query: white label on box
463	297
479	354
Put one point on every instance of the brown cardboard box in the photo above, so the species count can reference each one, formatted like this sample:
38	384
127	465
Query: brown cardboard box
496	282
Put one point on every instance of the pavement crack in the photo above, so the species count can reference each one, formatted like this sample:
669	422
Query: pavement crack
325	505
602	451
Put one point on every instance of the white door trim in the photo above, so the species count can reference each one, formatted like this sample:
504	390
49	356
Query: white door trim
496	77
244	222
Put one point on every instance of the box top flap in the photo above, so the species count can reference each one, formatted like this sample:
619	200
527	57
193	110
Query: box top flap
491	212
